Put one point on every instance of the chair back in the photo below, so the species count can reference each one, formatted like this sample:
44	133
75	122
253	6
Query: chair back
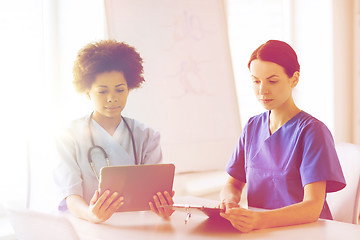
345	204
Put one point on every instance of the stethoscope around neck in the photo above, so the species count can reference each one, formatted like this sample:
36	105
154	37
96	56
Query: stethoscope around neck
102	149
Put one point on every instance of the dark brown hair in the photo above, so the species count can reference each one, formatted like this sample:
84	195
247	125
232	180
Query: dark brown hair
277	52
106	56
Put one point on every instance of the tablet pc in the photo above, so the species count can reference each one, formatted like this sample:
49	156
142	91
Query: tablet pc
137	183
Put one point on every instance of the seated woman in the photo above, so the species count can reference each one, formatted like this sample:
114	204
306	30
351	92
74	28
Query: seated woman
105	72
285	156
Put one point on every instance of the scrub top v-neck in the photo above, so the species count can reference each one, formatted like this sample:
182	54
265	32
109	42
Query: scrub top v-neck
277	166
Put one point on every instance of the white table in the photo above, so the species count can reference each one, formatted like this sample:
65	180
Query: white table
148	226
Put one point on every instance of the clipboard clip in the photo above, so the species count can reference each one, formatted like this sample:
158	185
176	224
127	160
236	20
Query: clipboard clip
188	215
209	211
185	207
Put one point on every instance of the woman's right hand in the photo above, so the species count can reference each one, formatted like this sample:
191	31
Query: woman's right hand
102	207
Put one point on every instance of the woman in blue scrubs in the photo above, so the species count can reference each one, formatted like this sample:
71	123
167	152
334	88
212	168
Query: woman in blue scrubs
285	156
105	71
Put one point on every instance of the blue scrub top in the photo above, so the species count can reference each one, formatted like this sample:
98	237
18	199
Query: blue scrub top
277	167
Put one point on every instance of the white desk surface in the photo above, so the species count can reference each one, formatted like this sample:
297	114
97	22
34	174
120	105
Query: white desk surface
147	226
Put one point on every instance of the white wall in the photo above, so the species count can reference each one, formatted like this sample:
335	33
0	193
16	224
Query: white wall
343	69
356	64
312	39
189	93
252	23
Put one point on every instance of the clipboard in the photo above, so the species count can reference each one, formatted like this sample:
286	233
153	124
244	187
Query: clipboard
137	183
211	212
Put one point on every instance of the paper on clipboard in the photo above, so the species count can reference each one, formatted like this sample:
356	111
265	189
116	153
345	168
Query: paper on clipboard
211	212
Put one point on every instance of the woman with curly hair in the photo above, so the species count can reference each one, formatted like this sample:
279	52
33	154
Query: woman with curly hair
105	71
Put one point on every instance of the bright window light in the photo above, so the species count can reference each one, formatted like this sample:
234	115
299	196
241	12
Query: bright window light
41	43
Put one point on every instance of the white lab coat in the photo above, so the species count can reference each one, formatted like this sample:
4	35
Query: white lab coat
73	174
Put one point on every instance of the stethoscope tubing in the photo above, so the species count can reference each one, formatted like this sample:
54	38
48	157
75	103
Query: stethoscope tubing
94	146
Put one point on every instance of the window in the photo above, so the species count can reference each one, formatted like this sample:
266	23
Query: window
39	43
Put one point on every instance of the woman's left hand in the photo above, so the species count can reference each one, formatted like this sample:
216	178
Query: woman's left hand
242	219
161	200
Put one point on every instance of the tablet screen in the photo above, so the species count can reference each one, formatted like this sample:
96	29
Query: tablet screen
137	183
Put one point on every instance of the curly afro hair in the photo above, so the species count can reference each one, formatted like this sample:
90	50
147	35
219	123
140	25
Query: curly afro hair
106	56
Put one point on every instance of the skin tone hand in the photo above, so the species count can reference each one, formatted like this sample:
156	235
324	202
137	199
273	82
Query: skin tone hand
231	194
160	200
100	208
242	219
103	207
306	211
228	205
